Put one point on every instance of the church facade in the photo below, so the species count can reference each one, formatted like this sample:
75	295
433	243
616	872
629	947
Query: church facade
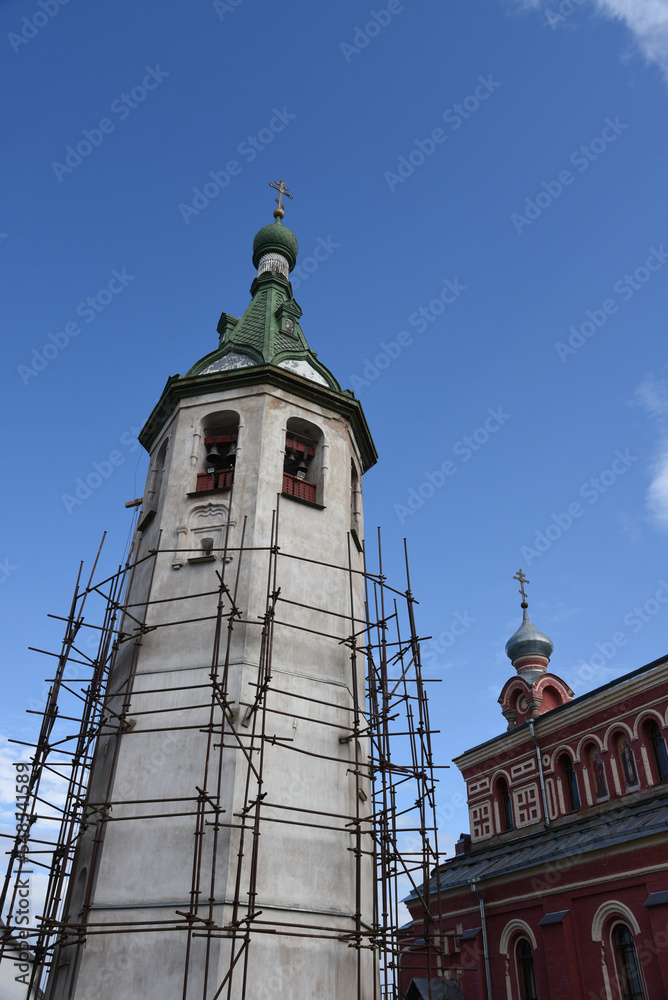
560	890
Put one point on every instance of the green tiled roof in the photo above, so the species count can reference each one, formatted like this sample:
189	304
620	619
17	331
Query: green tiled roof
269	331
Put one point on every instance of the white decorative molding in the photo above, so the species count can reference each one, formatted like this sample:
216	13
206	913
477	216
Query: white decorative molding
481	821
194	454
204	520
357	504
274	262
479	786
232	360
501	773
615	775
615	727
178	557
524	768
512	929
526	807
587	785
509	988
240	442
589	738
324	469
555	798
567	749
497	817
605	912
303	368
604	971
643	716
646	764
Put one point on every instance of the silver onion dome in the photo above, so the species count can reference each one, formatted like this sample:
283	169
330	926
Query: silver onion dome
528	641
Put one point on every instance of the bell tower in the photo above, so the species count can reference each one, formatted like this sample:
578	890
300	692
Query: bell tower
226	845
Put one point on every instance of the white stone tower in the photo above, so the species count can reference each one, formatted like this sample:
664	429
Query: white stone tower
226	853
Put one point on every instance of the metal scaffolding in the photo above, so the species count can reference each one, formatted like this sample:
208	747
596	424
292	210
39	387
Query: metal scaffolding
387	725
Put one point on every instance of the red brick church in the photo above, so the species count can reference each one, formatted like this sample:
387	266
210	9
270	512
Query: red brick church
560	892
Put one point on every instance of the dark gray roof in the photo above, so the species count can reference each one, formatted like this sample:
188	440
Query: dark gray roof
657	898
441	989
556	917
633	818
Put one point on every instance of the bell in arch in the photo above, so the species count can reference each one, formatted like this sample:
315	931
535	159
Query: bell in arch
213	457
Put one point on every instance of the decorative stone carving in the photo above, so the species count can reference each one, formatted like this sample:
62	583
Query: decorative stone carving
202	535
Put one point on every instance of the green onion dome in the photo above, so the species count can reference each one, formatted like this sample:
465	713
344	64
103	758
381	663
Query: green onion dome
275	238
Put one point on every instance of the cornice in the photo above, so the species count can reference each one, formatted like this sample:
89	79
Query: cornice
184	387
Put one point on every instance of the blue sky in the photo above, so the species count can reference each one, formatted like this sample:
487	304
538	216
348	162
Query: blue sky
488	180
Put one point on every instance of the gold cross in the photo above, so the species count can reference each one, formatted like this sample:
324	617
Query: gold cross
282	189
522	580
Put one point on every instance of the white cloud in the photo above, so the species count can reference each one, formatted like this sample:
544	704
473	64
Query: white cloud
647	21
657	494
53	791
652	396
630	526
8	754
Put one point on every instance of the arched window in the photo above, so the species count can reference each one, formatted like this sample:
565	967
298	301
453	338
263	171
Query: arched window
627	763
302	466
628	968
570	783
505	805
658	745
525	970
78	895
220	452
597	773
154	487
354	495
157	474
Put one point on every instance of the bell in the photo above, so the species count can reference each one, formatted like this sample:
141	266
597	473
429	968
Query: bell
213	457
301	470
231	456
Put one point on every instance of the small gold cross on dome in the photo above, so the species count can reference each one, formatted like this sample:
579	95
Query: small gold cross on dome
520	577
282	189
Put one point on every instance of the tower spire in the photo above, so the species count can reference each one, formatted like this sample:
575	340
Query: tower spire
269	331
522	580
282	188
528	642
533	690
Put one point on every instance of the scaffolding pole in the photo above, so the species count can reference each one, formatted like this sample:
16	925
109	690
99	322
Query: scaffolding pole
386	722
